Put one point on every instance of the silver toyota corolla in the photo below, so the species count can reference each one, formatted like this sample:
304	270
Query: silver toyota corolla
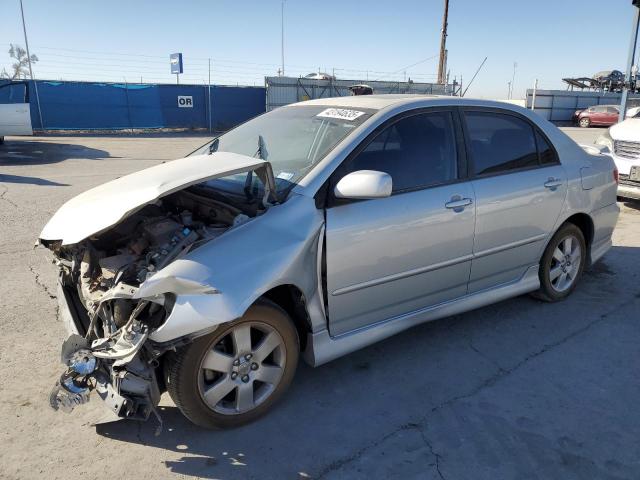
315	229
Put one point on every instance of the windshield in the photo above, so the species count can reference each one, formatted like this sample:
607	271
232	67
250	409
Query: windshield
292	139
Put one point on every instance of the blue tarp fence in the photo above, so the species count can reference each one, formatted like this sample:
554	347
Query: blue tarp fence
114	106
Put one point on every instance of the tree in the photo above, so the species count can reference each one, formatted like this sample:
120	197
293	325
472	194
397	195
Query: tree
20	67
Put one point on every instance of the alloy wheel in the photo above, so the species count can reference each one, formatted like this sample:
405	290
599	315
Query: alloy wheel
242	369
565	263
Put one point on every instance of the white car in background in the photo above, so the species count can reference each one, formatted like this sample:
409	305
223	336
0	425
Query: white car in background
623	140
15	114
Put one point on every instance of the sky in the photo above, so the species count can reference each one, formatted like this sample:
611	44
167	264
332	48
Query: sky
132	40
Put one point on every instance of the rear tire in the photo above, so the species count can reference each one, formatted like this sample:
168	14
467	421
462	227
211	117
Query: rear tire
562	264
236	374
584	122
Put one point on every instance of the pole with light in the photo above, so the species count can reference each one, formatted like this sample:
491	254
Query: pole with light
35	84
282	35
632	54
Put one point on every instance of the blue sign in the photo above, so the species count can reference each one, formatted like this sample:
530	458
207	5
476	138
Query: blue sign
176	62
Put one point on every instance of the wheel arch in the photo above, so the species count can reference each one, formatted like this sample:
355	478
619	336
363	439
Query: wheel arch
585	223
292	300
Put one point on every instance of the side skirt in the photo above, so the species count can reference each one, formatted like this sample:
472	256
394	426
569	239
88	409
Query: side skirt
322	348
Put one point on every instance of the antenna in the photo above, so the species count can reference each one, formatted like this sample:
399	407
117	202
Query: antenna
474	76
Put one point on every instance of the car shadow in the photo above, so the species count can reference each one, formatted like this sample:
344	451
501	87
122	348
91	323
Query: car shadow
633	204
30	152
29	180
331	411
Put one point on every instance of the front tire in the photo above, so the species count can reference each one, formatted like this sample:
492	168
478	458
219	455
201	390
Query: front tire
585	122
562	264
236	374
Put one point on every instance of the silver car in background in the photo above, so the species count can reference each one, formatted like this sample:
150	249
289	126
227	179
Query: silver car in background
315	229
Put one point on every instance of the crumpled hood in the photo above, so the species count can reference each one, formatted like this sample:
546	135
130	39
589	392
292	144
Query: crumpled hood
627	131
102	207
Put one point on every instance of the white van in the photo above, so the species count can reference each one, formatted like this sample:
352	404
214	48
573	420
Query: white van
15	113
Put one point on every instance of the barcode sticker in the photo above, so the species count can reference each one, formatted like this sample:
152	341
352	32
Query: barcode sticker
340	113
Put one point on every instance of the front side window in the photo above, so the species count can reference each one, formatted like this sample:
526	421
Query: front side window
500	142
612	110
417	151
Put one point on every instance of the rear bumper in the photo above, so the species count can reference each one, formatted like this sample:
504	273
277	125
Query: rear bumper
629	190
604	222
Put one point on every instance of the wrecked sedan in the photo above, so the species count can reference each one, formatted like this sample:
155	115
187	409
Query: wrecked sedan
315	229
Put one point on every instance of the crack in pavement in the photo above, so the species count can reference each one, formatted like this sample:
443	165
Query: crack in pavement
500	374
2	197
429	445
482	354
41	284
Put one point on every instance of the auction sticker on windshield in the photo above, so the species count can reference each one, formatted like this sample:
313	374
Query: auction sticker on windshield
340	113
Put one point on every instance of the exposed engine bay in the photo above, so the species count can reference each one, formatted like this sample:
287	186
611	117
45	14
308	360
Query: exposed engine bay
101	275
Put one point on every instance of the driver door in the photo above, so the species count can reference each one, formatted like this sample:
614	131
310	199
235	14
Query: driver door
392	256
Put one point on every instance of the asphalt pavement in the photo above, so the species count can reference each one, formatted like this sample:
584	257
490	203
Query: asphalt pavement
517	390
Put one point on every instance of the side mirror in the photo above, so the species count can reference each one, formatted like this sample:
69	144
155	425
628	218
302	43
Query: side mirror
363	185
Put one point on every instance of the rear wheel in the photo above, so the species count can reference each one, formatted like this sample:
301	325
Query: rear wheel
236	374
585	122
562	264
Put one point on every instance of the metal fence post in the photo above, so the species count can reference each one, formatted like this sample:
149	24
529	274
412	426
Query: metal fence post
126	92
209	97
533	100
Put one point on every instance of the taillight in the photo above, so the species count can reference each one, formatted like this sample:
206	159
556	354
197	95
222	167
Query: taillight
616	175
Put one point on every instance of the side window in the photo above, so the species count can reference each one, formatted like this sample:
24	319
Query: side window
386	141
547	154
612	110
500	142
417	151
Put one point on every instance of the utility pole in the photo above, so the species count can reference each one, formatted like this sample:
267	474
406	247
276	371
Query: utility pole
282	35
508	90
443	44
632	56
35	84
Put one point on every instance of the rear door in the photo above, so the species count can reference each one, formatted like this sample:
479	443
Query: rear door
392	256
15	114
612	115
520	188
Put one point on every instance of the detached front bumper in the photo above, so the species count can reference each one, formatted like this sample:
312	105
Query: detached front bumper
68	313
119	370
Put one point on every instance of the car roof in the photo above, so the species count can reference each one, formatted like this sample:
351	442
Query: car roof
379	102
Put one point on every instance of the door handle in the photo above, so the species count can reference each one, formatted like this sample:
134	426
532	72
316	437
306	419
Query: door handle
553	183
458	203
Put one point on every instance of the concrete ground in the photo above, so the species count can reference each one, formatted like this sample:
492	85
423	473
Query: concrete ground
520	389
